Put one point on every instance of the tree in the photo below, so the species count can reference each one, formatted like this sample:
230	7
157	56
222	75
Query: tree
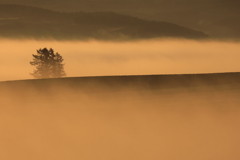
48	64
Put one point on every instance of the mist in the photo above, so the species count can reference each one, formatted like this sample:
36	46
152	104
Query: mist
130	123
98	58
95	120
96	113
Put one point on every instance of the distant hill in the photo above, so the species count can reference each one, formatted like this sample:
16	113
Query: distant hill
18	21
217	18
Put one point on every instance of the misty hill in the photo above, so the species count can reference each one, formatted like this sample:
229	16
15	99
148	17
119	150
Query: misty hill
143	117
193	82
217	18
22	21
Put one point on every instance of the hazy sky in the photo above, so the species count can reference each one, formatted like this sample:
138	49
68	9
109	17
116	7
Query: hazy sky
95	58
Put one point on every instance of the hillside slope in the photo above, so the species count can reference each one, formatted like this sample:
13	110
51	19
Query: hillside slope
145	82
22	21
203	15
121	117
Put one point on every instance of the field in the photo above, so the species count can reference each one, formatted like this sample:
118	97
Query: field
184	117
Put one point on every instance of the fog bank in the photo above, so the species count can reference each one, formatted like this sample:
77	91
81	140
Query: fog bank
97	58
174	124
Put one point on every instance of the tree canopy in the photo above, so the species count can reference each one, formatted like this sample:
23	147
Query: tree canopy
48	64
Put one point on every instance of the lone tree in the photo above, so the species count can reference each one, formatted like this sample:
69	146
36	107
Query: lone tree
48	64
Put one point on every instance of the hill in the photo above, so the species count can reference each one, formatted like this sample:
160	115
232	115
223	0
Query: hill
143	117
143	82
18	21
217	18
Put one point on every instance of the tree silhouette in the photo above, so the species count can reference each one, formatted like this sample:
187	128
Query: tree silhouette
48	64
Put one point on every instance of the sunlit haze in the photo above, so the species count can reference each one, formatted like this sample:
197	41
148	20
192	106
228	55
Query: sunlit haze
145	80
111	123
98	58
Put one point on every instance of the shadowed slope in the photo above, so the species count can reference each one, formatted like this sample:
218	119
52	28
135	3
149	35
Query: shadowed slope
217	18
30	22
146	82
